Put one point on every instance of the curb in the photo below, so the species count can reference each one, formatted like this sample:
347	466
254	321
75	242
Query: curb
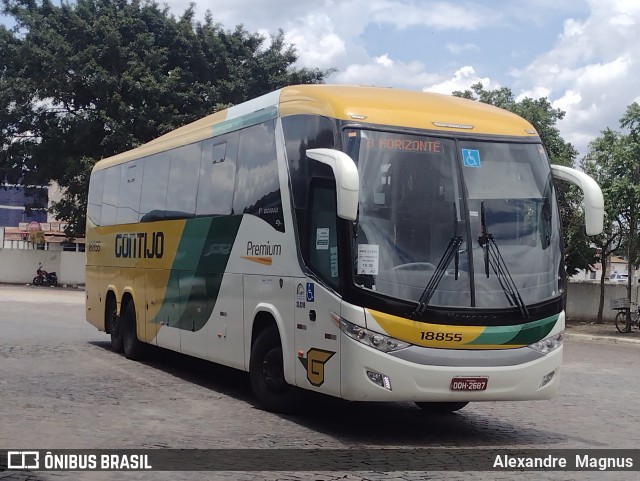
603	339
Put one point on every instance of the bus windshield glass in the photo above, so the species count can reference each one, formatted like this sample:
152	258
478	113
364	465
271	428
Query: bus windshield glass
455	223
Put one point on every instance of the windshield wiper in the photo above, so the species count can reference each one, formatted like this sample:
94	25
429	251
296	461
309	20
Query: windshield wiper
451	252
493	258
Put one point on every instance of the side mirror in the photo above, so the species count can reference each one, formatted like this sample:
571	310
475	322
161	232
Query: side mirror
347	179
593	200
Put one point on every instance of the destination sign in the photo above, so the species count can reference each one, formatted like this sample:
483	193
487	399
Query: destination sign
407	145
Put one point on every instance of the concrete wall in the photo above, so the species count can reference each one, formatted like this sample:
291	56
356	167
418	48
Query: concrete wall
583	298
18	266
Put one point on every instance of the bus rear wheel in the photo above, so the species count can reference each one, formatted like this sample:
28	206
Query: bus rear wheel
113	325
133	348
266	373
441	407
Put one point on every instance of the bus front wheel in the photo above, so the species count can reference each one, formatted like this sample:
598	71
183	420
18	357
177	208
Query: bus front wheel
266	373
441	407
133	348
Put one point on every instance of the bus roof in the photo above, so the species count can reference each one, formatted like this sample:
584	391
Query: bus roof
367	105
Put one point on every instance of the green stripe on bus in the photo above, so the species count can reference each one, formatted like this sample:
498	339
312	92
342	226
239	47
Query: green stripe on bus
518	335
198	268
243	121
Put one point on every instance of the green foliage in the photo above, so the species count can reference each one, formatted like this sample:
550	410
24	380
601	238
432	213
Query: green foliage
614	161
86	80
540	113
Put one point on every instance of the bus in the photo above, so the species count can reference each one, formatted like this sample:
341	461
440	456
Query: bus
366	243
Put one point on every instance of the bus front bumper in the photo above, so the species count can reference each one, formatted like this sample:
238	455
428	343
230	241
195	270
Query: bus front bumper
409	381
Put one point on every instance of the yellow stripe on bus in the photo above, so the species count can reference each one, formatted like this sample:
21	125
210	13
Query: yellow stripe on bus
266	261
428	335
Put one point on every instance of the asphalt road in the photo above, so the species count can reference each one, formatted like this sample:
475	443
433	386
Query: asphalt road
62	387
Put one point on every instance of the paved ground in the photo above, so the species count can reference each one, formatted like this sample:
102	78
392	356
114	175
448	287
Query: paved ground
62	387
604	333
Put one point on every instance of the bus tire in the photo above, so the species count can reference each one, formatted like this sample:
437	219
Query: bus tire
111	320
133	348
266	373
441	407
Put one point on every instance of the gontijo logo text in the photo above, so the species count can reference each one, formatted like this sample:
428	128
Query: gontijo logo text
140	245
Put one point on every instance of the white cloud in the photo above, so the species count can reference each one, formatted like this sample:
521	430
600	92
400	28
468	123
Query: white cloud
457	49
384	71
438	15
462	79
567	101
592	70
328	32
316	41
572	28
605	74
534	93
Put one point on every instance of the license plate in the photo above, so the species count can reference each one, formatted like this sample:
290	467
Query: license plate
469	383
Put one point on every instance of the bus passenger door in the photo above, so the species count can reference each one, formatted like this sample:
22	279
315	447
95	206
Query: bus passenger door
317	307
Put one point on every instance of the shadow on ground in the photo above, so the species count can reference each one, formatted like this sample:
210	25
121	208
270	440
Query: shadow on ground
372	424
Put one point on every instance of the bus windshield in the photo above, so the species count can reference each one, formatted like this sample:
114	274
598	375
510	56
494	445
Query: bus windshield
455	223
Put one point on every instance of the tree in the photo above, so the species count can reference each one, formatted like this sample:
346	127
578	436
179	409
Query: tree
86	80
578	252
600	163
628	188
614	162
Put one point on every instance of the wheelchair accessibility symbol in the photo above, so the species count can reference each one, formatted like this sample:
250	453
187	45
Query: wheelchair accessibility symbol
471	158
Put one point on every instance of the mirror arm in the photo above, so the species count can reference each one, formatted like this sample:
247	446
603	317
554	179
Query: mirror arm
593	199
347	178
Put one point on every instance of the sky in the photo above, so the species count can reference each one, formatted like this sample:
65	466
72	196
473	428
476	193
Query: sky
583	55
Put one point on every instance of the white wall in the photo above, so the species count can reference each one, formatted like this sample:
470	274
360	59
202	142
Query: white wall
18	266
583	299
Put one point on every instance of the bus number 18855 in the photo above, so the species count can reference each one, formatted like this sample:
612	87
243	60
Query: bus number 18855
440	336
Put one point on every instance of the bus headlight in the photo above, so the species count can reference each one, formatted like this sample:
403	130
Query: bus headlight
370	338
548	344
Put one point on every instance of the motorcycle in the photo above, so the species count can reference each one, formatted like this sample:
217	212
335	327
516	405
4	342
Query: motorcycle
45	278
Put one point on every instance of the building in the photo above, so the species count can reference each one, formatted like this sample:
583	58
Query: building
616	272
25	222
18	204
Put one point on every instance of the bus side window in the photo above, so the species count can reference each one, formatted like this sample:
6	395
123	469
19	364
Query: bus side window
323	233
129	195
304	132
153	200
217	175
257	189
96	189
183	180
110	195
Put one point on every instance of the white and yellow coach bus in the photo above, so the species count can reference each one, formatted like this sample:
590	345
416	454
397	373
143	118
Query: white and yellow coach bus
366	243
